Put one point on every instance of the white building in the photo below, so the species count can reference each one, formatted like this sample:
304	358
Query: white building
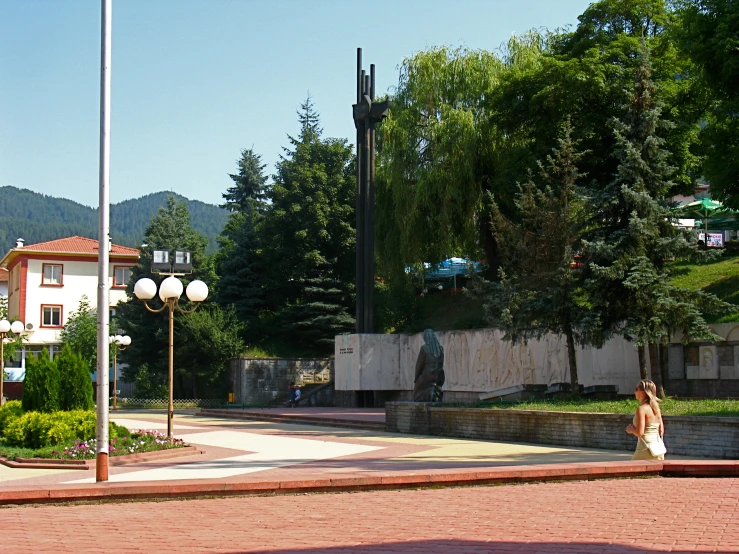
46	282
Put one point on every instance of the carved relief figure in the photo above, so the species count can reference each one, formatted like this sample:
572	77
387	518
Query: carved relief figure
429	370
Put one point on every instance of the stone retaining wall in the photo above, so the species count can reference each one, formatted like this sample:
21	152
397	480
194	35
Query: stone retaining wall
709	437
257	380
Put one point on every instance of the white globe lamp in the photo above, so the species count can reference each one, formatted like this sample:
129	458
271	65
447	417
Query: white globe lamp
197	291
17	327
4	326
145	289
171	287
125	340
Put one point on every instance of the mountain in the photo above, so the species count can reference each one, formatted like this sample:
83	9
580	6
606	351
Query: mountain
37	218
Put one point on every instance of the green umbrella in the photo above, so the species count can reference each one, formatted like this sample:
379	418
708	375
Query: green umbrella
702	209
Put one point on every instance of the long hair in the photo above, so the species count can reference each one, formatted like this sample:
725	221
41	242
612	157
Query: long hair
650	389
434	348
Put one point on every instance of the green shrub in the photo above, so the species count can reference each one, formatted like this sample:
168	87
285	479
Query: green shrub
9	410
37	430
75	384
41	384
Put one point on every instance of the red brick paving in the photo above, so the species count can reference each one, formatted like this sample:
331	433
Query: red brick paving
613	517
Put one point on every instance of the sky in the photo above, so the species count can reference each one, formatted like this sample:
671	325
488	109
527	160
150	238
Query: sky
196	81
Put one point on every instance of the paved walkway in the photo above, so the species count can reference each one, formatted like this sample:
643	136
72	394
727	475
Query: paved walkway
239	451
601	517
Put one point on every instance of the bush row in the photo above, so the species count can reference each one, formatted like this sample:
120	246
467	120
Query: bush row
37	429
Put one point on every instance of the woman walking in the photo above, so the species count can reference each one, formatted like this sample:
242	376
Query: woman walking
648	427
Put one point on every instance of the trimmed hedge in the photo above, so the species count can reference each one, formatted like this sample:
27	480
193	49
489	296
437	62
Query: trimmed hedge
9	410
37	430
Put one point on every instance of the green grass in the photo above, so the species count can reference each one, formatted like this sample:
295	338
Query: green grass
11	452
719	277
277	348
670	406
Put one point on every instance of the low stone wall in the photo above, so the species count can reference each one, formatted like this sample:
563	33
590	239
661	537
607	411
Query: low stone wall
257	380
708	437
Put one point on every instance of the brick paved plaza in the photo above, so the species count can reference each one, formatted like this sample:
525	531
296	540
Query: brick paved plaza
688	515
619	516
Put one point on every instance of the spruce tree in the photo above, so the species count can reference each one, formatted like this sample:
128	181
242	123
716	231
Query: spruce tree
540	291
238	264
320	314
308	233
249	183
635	237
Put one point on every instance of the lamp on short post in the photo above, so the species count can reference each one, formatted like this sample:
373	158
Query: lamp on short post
119	345
170	290
6	327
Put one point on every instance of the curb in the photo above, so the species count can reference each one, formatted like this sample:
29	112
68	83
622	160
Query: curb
296	419
500	475
126	459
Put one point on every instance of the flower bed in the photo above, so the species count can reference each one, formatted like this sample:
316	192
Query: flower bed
135	443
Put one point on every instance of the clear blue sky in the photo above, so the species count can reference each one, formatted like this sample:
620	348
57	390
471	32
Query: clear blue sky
195	81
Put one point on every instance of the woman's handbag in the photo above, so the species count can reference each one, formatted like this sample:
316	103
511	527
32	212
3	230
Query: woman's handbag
657	448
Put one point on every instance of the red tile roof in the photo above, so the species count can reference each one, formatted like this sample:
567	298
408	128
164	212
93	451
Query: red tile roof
3	275
77	245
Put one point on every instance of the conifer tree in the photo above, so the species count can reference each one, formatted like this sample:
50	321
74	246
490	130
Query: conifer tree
635	236
249	183
238	264
75	385
308	234
540	291
41	384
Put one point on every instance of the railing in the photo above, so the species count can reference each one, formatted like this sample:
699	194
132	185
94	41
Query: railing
179	403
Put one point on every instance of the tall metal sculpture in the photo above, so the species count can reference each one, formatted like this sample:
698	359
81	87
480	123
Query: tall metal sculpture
366	113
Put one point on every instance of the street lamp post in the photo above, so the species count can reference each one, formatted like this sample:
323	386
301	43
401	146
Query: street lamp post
6	327
119	344
170	291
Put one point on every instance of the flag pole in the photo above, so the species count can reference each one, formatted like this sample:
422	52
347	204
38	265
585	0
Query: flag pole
103	303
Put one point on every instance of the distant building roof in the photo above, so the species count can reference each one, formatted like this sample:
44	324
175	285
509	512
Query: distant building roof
71	245
3	275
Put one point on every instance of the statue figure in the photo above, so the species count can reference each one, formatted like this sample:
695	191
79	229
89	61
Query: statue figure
429	370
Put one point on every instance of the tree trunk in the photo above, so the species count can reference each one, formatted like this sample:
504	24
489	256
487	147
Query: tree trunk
642	362
655	363
194	385
490	246
572	359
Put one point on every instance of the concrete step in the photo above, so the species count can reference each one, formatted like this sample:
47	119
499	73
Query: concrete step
298	419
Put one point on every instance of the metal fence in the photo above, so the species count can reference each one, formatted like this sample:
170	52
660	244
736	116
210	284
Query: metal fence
179	403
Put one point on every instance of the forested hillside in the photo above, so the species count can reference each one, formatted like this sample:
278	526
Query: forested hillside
37	217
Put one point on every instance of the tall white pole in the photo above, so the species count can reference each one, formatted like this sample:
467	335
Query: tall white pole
103	305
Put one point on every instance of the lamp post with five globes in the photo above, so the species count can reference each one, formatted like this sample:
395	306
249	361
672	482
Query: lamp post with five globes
6	327
119	344
170	290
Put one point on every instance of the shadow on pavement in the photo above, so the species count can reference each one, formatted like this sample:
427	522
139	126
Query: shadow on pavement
475	547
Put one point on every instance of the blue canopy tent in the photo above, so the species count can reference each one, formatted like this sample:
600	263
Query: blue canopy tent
448	269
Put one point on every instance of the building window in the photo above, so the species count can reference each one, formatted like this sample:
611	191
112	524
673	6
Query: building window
51	316
122	276
54	350
52	275
33	351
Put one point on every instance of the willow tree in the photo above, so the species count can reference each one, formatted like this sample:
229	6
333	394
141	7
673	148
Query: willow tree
440	154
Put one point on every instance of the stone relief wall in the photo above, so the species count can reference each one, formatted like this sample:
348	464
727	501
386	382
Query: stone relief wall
479	361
